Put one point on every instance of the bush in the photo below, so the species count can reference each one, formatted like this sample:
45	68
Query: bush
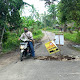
11	42
51	29
75	37
37	34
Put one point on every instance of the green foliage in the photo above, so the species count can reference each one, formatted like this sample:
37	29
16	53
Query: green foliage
34	13
27	21
37	34
69	10
30	23
78	37
52	11
51	29
10	17
62	13
9	12
75	37
56	31
48	21
10	42
50	18
71	37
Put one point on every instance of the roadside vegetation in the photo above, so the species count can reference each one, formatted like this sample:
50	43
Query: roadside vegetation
73	37
10	40
62	18
14	23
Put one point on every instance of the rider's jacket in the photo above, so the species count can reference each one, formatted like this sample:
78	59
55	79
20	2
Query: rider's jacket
27	35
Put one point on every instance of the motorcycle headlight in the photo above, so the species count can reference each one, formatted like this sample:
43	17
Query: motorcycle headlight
21	47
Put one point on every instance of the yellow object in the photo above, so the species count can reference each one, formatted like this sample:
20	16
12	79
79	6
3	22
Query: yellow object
51	47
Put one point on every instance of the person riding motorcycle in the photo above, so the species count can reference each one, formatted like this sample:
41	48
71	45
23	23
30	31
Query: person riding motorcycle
28	35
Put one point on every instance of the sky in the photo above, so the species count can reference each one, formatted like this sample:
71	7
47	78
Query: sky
39	5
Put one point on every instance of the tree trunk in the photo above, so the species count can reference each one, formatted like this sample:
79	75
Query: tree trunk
65	27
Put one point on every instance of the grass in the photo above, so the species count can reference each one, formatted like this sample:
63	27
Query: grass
75	37
12	42
56	31
67	35
38	37
37	34
51	29
71	37
7	50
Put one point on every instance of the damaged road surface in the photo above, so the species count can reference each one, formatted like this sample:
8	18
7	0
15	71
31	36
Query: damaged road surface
37	69
56	57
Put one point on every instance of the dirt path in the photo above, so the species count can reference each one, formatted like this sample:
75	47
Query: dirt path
9	58
11	68
65	50
40	51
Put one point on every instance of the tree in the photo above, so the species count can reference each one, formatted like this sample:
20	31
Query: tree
69	10
62	15
52	13
9	12
34	13
47	20
27	21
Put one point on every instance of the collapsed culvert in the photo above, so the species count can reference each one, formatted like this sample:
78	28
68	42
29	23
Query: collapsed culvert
56	57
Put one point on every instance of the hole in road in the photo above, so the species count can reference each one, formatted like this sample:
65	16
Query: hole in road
56	57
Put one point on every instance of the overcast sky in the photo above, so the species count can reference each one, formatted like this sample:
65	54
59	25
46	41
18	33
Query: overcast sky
39	5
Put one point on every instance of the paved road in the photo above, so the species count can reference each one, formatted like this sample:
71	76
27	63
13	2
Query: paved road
41	70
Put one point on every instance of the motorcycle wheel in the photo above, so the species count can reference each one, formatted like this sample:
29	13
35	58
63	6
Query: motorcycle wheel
21	56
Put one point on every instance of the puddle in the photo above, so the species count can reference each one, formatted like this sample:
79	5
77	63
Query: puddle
57	58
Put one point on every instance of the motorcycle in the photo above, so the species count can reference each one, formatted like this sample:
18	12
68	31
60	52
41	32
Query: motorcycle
24	49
